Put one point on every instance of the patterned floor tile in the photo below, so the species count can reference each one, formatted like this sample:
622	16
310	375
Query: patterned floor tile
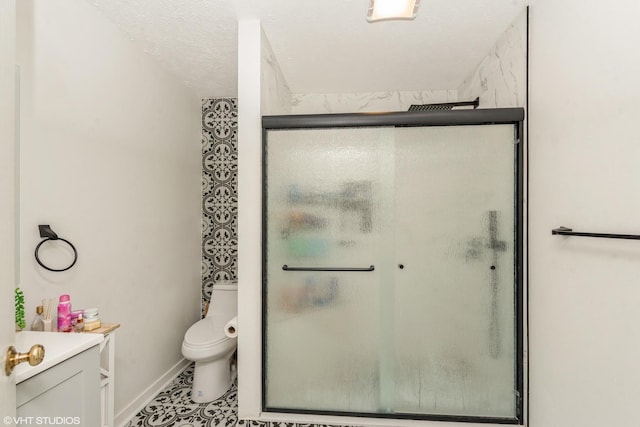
173	407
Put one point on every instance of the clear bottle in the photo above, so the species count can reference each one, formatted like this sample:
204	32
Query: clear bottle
79	326
38	321
74	318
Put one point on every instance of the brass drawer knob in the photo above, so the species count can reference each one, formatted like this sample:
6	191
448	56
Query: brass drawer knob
13	358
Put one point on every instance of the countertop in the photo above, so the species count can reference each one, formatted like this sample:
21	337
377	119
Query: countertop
58	347
105	328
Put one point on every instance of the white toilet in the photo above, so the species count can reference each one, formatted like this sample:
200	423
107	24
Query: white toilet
206	343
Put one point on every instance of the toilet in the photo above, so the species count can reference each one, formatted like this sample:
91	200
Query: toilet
206	344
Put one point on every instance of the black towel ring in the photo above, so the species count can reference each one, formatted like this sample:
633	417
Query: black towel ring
49	234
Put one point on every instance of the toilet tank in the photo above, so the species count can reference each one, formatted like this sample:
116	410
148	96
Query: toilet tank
224	300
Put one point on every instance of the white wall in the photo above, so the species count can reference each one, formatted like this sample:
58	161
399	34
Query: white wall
584	157
7	195
249	217
262	90
110	158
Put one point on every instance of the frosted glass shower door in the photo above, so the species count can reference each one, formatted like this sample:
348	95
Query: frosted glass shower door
391	280
454	325
328	250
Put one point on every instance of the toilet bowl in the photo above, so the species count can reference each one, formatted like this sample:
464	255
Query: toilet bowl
206	344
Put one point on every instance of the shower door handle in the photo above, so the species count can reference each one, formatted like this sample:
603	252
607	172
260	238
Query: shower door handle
287	268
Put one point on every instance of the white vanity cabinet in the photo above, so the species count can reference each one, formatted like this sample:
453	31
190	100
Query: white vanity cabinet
67	393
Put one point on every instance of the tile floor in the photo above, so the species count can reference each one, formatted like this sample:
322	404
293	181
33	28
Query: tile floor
173	407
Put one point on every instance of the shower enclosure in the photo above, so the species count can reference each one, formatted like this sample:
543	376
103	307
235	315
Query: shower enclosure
392	265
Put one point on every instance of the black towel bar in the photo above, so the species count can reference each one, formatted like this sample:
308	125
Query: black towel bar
287	268
565	231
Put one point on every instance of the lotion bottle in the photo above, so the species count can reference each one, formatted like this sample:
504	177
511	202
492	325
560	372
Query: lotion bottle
64	314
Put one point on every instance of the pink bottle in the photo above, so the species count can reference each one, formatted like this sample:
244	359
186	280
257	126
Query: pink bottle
64	314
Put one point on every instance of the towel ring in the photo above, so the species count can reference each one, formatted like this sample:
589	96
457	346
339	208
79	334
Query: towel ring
75	254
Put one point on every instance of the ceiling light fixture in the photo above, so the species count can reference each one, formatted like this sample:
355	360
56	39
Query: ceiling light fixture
380	10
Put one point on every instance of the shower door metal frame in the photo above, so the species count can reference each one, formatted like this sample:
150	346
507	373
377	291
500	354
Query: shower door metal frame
495	116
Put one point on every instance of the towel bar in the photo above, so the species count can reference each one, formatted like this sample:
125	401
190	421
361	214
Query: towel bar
287	268
565	231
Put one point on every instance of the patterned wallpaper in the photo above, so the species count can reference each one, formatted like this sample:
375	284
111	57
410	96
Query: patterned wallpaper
219	192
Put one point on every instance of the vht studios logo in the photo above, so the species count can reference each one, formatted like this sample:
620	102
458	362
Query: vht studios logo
42	421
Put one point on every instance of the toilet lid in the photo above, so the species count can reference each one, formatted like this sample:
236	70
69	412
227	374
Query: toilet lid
208	331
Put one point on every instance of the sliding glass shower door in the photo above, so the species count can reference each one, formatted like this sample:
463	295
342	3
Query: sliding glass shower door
329	238
391	271
454	338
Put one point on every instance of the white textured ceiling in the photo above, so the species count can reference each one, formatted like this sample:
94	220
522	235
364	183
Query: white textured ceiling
323	46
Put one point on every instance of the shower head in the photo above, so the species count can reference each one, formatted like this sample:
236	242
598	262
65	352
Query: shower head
444	105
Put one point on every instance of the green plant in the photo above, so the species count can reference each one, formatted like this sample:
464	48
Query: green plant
19	299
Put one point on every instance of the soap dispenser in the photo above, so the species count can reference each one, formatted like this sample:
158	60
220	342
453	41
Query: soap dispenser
38	321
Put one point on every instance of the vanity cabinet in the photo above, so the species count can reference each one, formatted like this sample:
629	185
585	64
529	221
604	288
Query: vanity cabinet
67	393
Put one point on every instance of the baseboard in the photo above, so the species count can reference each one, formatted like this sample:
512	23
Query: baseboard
124	416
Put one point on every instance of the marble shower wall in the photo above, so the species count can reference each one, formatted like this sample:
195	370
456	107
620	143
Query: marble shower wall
275	97
219	192
500	78
316	103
